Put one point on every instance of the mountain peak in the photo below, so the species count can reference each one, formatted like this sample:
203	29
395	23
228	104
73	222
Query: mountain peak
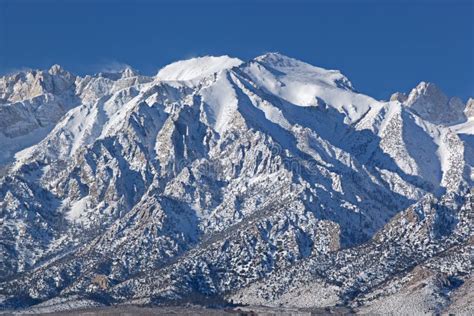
427	89
428	101
301	71
129	72
276	59
272	56
196	68
56	70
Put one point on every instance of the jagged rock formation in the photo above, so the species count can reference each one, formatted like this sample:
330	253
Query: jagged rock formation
263	182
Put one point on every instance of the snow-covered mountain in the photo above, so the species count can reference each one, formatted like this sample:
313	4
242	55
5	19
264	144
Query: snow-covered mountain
263	182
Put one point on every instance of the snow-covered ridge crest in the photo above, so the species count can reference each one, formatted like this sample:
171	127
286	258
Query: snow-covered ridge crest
302	84
196	68
297	68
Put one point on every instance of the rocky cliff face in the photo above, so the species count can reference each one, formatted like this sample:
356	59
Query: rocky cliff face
221	179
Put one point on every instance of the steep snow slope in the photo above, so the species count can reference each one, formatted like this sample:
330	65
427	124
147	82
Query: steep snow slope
217	177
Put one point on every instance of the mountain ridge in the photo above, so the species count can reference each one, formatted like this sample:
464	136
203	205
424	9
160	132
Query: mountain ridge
159	189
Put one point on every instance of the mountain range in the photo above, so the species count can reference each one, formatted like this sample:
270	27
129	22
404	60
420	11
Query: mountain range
267	182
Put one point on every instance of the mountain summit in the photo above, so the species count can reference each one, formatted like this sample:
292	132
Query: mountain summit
197	68
262	182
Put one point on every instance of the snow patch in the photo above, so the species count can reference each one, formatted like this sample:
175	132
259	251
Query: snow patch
77	209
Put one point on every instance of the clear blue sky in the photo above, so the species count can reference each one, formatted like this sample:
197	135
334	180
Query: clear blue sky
382	46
